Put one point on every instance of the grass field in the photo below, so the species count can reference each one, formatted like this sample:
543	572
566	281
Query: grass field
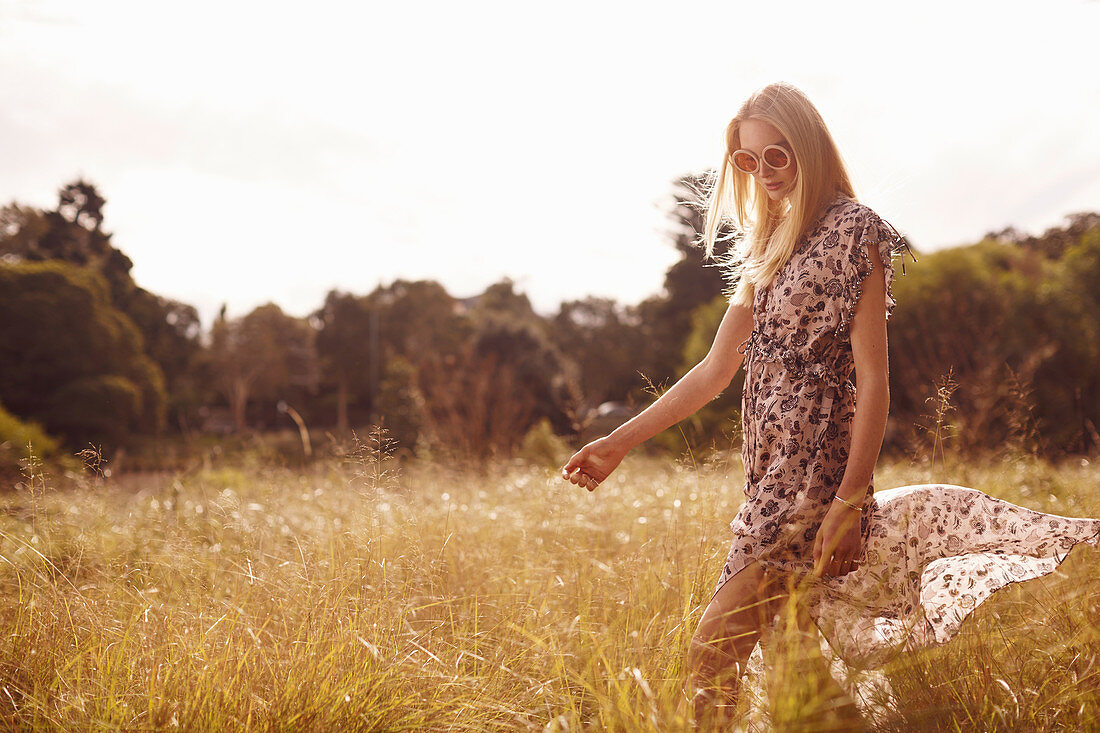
364	595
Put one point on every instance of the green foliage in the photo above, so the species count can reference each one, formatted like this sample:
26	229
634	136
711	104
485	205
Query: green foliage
1014	319
542	447
261	356
1018	333
470	376
170	333
19	441
363	341
718	422
21	229
416	317
99	406
666	319
539	373
73	233
349	347
400	404
605	340
16	435
500	303
61	338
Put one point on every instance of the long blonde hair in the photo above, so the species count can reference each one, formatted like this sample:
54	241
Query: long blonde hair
770	232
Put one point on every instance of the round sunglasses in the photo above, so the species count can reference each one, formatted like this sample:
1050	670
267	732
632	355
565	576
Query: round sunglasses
775	156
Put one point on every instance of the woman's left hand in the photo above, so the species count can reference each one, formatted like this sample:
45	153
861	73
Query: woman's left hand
836	549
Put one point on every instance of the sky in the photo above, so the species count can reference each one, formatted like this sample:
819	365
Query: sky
271	152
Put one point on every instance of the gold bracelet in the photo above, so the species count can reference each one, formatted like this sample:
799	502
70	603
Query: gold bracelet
857	507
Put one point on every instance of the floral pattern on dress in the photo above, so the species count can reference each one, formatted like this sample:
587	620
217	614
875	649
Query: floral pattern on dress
930	554
935	552
798	400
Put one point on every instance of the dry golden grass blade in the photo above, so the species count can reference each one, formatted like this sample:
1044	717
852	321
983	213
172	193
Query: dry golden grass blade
365	598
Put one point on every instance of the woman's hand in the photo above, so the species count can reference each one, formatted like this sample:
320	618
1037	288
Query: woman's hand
593	463
836	549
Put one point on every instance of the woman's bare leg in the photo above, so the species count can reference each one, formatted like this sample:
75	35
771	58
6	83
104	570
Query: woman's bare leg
804	695
728	631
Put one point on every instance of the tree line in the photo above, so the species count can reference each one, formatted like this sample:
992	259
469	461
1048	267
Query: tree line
996	343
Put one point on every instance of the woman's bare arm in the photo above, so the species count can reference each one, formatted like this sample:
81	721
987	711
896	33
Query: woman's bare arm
696	388
837	546
869	351
700	385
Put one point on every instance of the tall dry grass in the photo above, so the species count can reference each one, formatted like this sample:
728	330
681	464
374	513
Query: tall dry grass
360	595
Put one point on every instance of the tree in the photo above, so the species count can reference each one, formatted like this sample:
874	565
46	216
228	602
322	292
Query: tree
417	317
508	332
348	345
472	375
70	360
605	340
261	356
689	283
539	373
80	203
1055	241
1017	332
1067	385
472	403
171	332
21	228
500	303
73	233
716	421
367	343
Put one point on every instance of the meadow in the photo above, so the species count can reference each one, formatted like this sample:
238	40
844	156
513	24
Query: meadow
363	593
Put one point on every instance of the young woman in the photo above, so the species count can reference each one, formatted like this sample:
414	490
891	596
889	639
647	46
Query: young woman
814	269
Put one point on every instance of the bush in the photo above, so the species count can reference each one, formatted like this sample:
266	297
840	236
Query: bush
18	440
542	447
102	406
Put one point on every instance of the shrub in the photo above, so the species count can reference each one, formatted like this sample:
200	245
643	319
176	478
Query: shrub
18	440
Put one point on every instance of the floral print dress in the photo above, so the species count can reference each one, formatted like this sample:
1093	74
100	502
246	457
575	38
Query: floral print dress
929	554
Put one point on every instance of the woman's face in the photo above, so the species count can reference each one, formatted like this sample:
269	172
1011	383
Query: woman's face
755	136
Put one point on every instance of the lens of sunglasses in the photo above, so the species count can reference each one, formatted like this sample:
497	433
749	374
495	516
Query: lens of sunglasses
745	161
776	157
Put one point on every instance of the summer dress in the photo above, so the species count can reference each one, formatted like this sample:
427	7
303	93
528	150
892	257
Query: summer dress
930	554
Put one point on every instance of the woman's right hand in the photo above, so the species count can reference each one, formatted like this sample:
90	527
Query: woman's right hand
593	463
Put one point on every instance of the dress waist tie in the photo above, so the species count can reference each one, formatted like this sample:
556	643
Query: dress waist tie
768	350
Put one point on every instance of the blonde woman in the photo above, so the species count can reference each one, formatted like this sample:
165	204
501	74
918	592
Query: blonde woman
808	317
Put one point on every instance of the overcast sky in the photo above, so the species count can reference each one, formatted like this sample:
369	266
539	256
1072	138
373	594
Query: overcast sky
255	152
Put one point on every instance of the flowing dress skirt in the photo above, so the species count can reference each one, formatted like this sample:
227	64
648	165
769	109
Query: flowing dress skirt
935	552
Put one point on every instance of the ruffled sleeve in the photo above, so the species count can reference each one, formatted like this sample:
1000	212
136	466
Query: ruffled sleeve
868	232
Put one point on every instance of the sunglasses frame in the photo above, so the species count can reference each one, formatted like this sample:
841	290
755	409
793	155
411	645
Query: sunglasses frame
760	158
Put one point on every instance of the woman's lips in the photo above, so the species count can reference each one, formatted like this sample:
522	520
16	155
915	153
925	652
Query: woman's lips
772	186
